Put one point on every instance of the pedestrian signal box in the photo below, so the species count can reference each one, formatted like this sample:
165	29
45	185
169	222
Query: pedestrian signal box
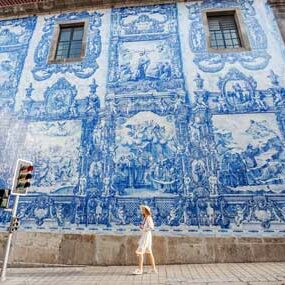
14	225
4	197
22	177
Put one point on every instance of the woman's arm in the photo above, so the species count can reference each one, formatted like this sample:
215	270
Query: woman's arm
149	225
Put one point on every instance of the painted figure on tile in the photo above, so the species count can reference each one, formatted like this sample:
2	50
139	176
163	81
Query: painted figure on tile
143	64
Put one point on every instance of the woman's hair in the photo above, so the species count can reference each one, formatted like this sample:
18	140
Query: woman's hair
146	212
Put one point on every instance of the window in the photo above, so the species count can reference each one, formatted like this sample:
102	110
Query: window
225	31
69	42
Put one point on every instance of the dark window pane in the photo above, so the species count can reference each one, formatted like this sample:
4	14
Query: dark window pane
214	27
76	44
234	34
60	56
62	52
219	36
223	30
78	34
236	42
62	49
227	35
212	36
63	45
228	42
220	42
70	42
75	55
75	50
65	34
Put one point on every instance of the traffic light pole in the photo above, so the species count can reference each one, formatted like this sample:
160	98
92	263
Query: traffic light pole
20	185
9	240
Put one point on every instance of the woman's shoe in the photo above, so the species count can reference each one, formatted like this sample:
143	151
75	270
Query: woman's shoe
152	271
138	272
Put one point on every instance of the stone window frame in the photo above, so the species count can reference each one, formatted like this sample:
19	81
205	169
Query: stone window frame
236	12
56	33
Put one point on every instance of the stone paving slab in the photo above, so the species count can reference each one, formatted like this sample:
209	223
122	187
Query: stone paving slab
196	274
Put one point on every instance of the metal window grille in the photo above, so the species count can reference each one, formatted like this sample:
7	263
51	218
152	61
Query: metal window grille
223	32
70	42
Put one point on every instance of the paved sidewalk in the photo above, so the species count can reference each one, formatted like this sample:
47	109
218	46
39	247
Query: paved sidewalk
196	274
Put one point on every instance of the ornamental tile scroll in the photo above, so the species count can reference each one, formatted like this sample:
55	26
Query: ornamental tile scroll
255	59
60	103
15	36
59	98
82	69
239	94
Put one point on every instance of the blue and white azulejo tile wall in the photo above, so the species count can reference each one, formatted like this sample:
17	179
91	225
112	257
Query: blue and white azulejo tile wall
149	116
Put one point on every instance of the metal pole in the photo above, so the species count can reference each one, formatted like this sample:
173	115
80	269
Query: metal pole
8	244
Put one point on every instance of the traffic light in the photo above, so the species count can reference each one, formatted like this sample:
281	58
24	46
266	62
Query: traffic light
23	174
4	197
14	225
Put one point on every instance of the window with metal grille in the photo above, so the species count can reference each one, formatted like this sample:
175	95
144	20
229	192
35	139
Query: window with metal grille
69	42
223	32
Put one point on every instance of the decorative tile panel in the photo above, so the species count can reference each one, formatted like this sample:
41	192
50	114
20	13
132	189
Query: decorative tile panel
15	36
210	166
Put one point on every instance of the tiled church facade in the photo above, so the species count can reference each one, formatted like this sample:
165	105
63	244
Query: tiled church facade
148	116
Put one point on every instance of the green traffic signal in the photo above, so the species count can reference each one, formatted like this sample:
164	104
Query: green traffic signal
25	176
23	184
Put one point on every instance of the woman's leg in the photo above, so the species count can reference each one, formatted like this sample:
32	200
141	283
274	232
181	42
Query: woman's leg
140	256
152	261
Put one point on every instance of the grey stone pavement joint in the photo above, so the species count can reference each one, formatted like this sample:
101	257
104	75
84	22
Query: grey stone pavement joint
196	274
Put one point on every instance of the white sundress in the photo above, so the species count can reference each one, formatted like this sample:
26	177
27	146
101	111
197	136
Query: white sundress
145	242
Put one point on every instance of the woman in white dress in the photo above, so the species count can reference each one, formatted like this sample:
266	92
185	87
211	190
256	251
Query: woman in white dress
145	242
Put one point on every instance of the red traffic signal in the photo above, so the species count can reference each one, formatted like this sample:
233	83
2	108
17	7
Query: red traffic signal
22	177
25	169
25	175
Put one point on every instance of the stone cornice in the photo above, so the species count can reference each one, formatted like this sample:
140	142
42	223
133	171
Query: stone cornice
52	6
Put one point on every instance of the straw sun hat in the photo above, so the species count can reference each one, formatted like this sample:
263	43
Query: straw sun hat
147	208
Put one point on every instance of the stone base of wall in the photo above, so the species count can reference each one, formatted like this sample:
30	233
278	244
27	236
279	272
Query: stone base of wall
89	249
